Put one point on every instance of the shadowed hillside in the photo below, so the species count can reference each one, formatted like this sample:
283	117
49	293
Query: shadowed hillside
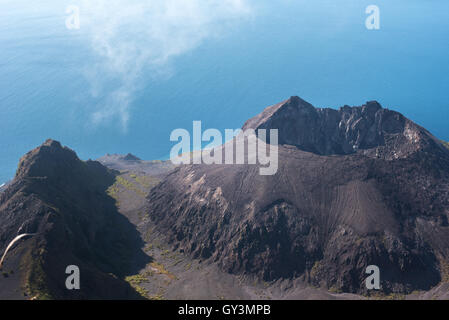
63	202
355	186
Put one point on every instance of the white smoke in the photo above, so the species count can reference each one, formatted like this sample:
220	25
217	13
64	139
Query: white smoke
135	37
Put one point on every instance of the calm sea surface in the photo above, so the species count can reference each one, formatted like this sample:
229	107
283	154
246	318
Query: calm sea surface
320	51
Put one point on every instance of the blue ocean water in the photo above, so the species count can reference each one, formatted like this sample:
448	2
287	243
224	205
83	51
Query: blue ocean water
319	50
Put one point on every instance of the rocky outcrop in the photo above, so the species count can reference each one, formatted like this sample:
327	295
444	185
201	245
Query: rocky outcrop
131	157
369	129
355	186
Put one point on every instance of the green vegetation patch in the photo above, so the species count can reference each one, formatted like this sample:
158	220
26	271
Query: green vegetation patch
315	269
157	297
382	296
160	269
142	291
136	279
444	271
446	144
35	278
121	184
145	181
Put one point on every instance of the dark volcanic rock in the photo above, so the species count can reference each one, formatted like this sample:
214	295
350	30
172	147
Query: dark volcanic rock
131	157
369	129
63	201
355	187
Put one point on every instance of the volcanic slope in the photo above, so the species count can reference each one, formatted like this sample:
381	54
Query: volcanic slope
355	187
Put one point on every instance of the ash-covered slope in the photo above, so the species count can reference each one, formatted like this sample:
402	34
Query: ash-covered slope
61	200
355	187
